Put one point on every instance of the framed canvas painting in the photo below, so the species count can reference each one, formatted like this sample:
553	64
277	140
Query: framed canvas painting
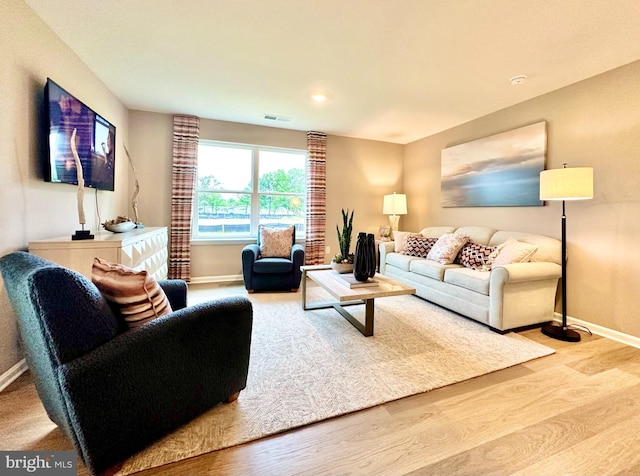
502	170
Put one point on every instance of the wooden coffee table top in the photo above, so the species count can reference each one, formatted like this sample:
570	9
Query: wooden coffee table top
332	282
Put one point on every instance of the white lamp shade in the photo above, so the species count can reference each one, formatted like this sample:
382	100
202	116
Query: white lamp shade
569	183
395	204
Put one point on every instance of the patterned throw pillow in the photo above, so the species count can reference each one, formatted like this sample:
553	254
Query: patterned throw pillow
275	242
444	251
512	251
418	245
136	294
475	256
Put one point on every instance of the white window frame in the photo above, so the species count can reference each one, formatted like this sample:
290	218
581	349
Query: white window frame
255	194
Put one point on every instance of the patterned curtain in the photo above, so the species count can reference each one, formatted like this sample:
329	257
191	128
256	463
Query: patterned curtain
186	132
316	197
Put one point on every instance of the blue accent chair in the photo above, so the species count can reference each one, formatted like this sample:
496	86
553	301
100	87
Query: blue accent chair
113	393
272	274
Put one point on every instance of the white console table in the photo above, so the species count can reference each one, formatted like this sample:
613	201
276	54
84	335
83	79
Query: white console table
140	249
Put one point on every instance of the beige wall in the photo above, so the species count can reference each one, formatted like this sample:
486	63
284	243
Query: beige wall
593	123
359	173
30	208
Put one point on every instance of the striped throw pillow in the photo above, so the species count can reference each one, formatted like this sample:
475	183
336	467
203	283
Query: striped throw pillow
136	294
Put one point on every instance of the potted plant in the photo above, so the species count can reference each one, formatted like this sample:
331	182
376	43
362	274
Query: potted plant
343	262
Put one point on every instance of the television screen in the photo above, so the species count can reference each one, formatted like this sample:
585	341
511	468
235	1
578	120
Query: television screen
95	141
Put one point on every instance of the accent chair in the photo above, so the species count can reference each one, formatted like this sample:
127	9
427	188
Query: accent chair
111	391
273	263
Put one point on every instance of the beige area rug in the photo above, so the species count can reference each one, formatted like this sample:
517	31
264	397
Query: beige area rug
308	366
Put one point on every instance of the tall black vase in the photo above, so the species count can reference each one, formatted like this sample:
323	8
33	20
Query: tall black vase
364	261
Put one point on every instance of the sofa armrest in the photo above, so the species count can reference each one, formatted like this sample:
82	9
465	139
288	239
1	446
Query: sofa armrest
522	272
148	381
522	293
385	248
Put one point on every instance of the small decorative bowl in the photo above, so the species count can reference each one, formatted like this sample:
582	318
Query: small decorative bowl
120	227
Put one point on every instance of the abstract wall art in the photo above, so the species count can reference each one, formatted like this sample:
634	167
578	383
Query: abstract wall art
502	170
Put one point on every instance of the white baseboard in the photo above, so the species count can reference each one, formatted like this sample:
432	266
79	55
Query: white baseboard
230	279
603	331
13	373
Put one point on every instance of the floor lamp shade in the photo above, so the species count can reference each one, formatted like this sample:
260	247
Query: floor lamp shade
394	205
574	183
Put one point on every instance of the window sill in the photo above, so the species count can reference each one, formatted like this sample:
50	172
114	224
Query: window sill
231	241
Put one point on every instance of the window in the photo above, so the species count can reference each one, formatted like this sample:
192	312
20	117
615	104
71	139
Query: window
239	187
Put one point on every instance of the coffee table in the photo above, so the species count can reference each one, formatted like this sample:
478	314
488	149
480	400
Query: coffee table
330	280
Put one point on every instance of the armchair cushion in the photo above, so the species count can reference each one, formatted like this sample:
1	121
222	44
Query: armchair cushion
136	294
276	242
273	265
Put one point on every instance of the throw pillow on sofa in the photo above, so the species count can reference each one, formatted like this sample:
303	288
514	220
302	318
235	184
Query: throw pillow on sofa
512	251
418	245
136	295
475	256
400	240
445	250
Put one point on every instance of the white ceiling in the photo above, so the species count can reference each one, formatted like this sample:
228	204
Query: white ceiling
393	71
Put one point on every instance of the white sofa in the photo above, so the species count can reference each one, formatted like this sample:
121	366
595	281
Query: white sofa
506	297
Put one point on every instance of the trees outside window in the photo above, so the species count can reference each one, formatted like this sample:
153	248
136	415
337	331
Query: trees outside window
241	186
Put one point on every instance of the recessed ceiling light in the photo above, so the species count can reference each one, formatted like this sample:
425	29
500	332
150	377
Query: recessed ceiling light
319	97
518	79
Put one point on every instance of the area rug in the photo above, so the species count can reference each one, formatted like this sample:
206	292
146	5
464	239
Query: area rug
307	366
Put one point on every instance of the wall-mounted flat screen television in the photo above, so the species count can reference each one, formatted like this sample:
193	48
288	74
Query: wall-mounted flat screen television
95	141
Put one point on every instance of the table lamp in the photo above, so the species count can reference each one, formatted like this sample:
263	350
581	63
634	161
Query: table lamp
394	205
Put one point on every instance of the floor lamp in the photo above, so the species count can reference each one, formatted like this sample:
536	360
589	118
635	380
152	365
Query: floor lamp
394	205
575	183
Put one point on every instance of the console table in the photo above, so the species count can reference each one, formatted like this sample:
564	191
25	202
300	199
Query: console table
140	249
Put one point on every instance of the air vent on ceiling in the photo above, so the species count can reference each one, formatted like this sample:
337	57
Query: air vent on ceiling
273	117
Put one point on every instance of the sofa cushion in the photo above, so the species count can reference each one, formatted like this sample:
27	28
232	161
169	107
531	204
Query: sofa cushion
136	295
549	249
418	245
477	281
445	250
401	261
430	269
512	251
475	256
275	242
437	231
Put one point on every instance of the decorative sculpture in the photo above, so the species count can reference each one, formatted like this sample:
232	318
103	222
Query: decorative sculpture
134	198
80	234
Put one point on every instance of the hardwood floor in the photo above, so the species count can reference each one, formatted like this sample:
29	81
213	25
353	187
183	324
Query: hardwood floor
575	412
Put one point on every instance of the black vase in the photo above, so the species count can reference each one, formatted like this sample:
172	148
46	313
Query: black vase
364	261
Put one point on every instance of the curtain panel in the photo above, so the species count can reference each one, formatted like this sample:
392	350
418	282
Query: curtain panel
316	197
186	132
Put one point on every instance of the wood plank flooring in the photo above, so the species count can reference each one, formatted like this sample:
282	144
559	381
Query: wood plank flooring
575	412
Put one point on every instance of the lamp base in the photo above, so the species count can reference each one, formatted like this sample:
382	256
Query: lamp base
393	222
560	332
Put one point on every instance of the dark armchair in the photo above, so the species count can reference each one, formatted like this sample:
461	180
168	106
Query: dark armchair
272	273
113	393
